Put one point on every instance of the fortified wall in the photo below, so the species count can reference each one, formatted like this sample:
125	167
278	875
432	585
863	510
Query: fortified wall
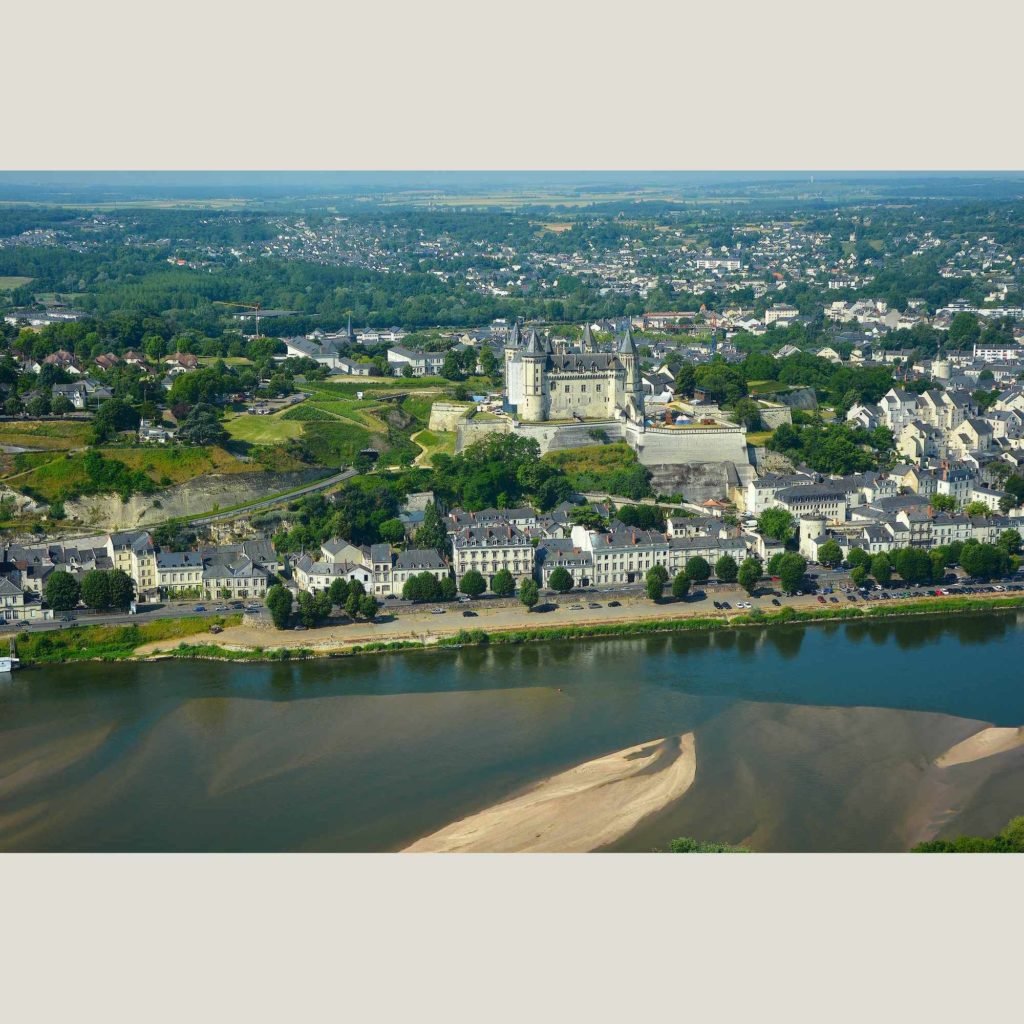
447	415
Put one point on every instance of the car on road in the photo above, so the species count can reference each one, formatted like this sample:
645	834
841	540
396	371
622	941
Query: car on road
614	604
776	602
834	600
467	614
299	629
594	604
437	611
199	608
821	600
575	607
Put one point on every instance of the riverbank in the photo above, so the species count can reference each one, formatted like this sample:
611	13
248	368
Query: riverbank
190	639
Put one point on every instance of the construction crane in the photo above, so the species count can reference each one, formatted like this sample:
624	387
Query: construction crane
246	305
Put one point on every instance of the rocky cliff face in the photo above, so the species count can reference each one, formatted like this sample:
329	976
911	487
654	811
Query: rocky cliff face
198	497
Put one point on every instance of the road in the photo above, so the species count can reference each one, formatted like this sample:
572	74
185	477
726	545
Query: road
255	506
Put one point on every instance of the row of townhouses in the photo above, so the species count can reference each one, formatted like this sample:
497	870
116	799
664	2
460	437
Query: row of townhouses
230	571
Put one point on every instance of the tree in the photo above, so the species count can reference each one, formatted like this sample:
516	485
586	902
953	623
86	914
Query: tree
943	502
772	568
447	589
503	584
352	604
726	569
881	568
791	571
368	607
122	589
529	595
749	574
60	406
392	531
62	591
776	523
96	589
202	427
913	565
338	591
473	584
560	580
421	586
1010	541
858	557
279	604
984	560
830	554
859	574
431	533
680	586
113	416
697	570
38	405
654	582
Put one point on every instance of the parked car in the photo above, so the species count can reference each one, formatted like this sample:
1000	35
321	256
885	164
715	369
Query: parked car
467	614
437	611
594	604
575	607
299	629
199	608
614	604
776	602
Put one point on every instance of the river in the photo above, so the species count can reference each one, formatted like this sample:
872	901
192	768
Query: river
807	739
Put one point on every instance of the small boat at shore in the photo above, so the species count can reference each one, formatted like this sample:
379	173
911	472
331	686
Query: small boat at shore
9	662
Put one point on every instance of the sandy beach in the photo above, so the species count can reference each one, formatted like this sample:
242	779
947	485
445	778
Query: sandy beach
581	809
986	743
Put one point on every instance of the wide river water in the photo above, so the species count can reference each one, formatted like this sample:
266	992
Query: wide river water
807	738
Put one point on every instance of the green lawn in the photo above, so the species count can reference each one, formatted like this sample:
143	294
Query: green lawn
8	284
262	429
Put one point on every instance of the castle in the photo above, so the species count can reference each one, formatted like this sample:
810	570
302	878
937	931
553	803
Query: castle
542	384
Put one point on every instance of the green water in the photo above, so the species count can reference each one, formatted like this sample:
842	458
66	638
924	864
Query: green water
808	738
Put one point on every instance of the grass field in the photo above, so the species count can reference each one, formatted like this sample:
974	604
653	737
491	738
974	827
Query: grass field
765	387
262	429
49	434
759	437
8	284
433	442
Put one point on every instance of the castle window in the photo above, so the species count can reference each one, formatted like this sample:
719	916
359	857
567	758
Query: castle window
583	388
567	389
598	387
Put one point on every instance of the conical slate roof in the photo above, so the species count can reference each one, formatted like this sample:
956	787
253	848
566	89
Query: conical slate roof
588	339
514	337
626	343
534	346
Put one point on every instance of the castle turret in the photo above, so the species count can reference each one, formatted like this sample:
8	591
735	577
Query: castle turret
588	340
632	389
534	356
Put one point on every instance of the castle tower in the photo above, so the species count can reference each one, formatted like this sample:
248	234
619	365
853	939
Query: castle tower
588	340
632	389
534	357
513	368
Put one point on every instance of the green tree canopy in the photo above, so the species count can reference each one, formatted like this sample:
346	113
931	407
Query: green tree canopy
697	569
560	580
776	524
62	591
473	584
726	569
